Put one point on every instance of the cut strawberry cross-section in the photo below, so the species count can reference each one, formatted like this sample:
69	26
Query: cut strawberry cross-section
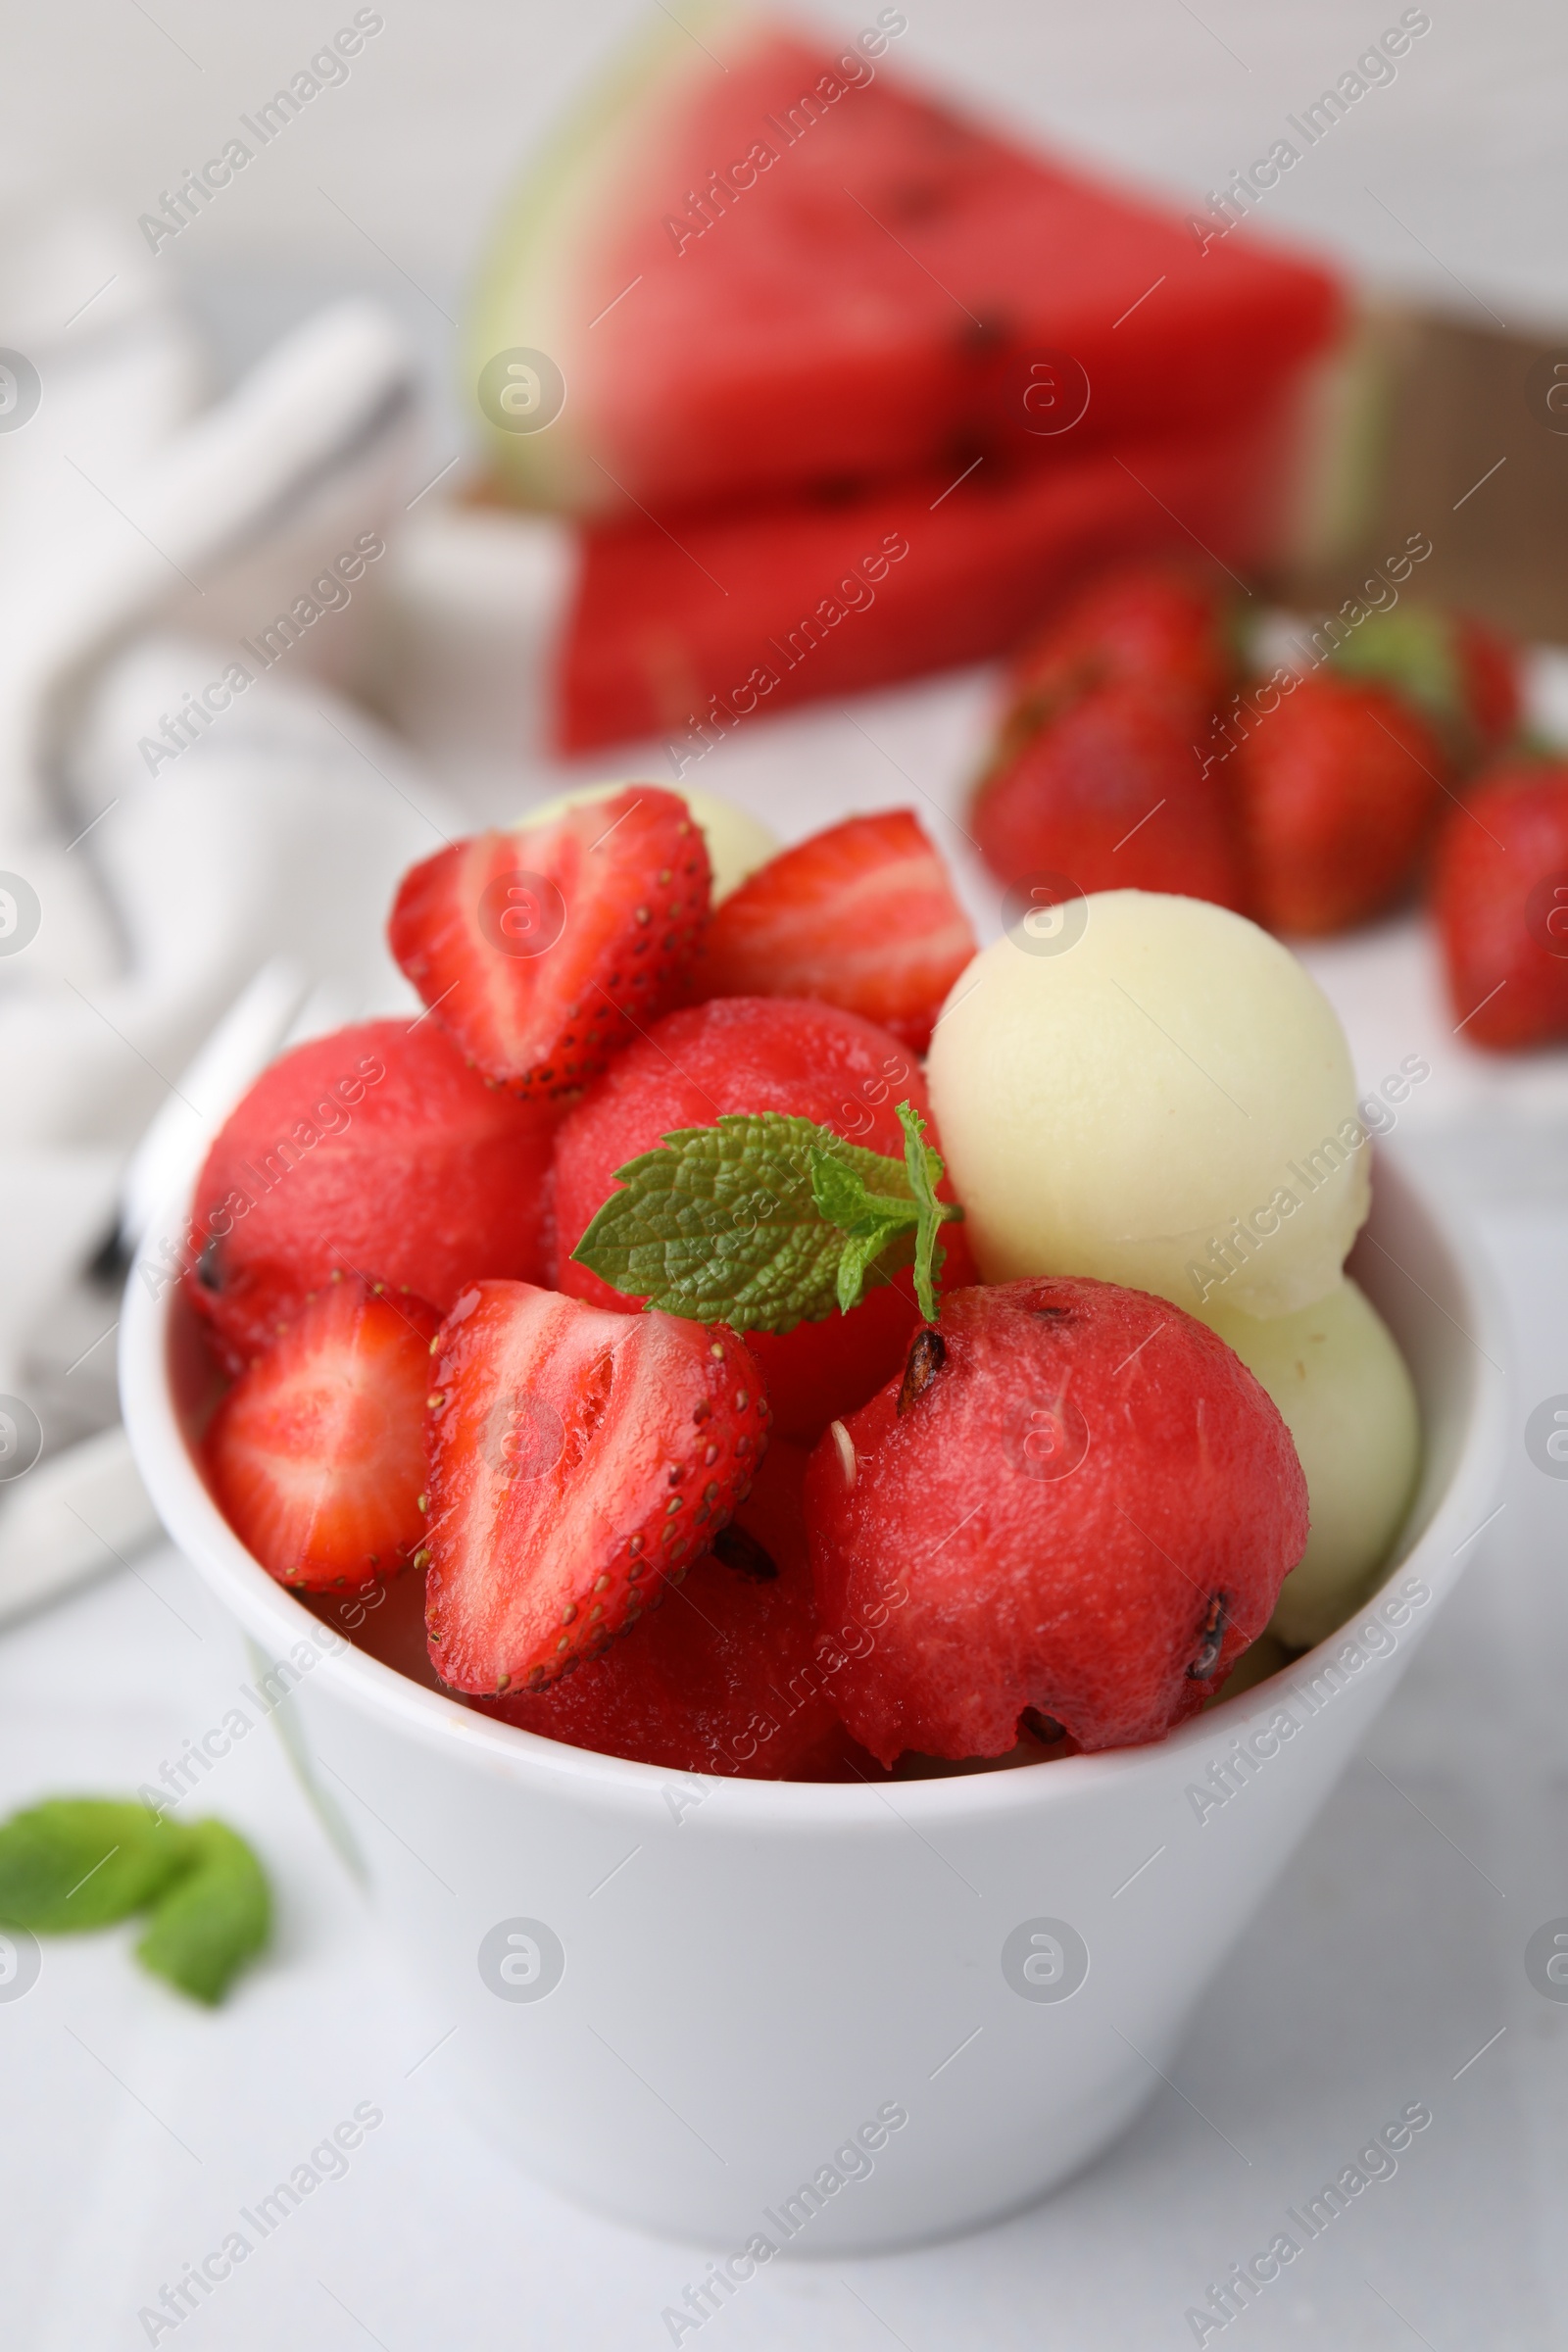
862	915
316	1455
544	950
577	1460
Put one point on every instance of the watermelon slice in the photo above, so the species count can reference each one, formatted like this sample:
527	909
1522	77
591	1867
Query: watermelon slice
760	263
689	630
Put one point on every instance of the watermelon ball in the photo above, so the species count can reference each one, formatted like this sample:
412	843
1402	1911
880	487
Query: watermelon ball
376	1150
1152	1090
1338	1377
1075	1504
755	1053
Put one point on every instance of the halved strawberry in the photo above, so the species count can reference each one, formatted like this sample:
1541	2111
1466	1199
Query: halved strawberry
577	1459
545	949
862	915
734	1674
316	1456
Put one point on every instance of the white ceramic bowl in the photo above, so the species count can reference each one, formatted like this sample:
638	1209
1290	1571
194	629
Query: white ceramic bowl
718	1996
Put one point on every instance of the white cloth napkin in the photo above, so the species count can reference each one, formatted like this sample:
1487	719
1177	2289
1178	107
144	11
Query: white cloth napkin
186	792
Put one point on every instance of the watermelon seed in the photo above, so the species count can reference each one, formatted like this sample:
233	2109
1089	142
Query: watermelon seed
926	1359
743	1552
1213	1638
844	1447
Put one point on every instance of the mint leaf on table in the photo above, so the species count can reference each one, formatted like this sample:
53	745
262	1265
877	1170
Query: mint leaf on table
766	1220
81	1862
214	1918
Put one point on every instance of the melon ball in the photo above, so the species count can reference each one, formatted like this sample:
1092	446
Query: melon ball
1346	1398
738	843
1151	1090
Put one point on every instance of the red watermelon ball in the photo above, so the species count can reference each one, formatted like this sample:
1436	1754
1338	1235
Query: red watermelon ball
376	1150
759	1053
1086	1506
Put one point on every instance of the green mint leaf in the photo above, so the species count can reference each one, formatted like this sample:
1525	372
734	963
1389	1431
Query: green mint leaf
763	1221
869	1221
722	1223
839	1192
83	1862
923	1166
867	1248
213	1919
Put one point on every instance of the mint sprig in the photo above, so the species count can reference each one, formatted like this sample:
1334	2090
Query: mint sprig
766	1220
79	1863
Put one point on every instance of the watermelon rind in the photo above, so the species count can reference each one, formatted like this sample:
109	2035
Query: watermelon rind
527	290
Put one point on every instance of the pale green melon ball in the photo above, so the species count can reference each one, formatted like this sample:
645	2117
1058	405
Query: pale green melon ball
738	843
1343	1388
1153	1091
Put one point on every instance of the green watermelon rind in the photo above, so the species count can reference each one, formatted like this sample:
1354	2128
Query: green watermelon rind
522	291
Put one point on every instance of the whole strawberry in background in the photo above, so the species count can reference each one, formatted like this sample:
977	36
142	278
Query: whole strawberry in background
545	949
757	1054
1095	776
371	1152
1500	899
1462	676
1110	795
1075	1500
1141	624
1338	789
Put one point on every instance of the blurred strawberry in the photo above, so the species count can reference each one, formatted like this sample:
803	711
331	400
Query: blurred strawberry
1112	794
1337	790
1500	900
1148	623
1461	676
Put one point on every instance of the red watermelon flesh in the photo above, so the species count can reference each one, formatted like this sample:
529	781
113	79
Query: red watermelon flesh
688	635
762	263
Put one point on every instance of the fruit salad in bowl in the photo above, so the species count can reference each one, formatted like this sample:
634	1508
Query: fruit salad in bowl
740	1382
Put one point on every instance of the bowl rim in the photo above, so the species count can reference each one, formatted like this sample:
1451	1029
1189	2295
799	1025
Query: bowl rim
271	1616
